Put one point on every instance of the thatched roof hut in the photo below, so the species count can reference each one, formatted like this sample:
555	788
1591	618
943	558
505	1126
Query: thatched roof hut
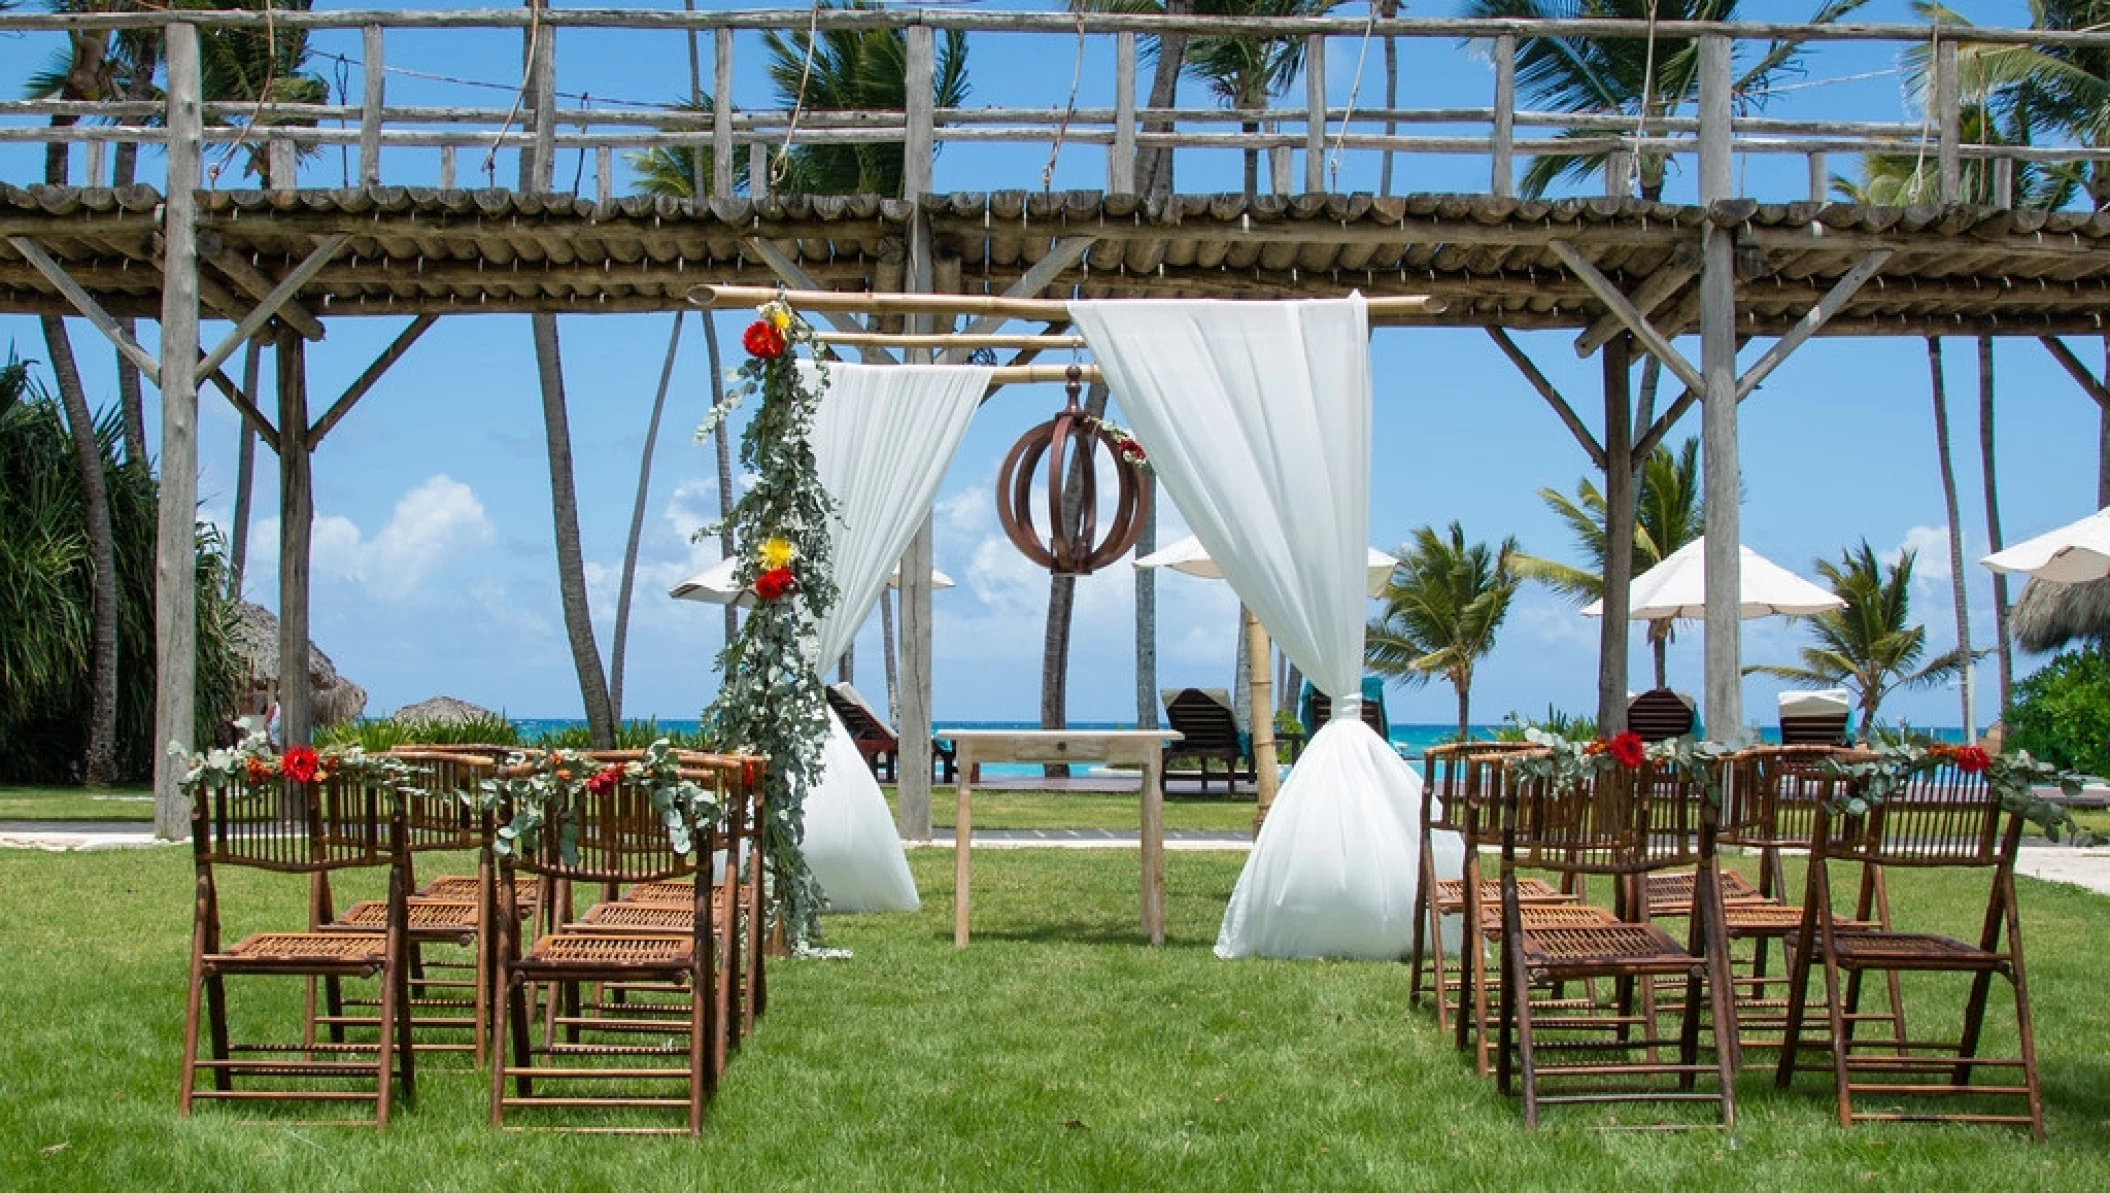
442	710
332	698
2050	615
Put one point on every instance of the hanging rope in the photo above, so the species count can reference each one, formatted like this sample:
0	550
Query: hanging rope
1648	84
527	75
263	94
1333	162
1062	130
778	167
1919	164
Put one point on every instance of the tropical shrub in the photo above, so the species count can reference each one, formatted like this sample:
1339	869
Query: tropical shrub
2062	713
1571	726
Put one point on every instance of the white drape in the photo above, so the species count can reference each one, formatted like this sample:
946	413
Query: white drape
882	440
1256	418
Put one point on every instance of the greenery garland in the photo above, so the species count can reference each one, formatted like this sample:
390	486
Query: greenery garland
537	785
1568	764
770	699
1875	774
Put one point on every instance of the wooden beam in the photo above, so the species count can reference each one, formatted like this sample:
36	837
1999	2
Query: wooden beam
85	303
781	264
1635	321
924	304
373	88
2076	370
271	302
1066	253
960	340
1653	292
357	390
296	529
1546	390
245	405
1807	326
1503	180
258	285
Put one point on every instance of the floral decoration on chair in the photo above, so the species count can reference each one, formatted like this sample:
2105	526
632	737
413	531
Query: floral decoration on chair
534	784
1875	774
253	763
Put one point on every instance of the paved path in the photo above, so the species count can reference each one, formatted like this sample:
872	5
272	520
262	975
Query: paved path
66	835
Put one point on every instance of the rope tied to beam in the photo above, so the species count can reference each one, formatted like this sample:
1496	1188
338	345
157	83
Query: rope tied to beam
1047	172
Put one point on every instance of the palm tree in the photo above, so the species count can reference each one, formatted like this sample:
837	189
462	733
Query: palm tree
1646	75
1244	73
1443	604
1667	516
1166	53
1869	647
855	69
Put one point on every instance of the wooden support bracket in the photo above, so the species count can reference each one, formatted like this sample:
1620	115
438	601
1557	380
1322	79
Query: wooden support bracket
85	303
390	355
1653	292
245	405
1066	253
1840	294
271	302
1553	396
1621	306
257	285
2078	371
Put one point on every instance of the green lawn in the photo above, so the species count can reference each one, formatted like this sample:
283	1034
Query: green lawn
76	803
1054	1053
1087	809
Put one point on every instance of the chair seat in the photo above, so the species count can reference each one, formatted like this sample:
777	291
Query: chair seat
637	917
612	951
662	893
429	918
1450	893
1670	891
1548	915
527	888
1778	919
351	950
1605	947
1912	950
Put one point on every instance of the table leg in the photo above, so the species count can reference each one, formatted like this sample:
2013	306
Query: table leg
962	845
1153	840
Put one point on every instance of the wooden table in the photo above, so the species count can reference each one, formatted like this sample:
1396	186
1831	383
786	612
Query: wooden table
1141	747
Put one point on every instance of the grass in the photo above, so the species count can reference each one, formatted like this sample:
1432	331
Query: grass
1116	810
1054	1053
76	803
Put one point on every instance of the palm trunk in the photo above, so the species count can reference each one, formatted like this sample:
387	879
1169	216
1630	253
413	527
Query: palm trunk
1389	10
1464	685
1993	536
722	440
99	761
1614	632
637	528
1948	493
571	564
1154	165
1062	596
1659	644
123	171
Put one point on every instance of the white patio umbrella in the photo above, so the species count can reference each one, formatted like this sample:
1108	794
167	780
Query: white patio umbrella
715	585
1677	588
1188	558
2073	553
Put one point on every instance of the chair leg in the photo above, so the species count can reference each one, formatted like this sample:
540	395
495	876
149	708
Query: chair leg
192	1007
216	1011
385	1047
499	1022
405	1039
1422	902
1838	1023
2025	1032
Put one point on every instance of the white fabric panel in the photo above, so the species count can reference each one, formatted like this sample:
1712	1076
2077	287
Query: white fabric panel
851	844
1256	418
882	439
1333	872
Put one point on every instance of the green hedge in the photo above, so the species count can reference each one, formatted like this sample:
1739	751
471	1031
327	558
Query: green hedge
2062	713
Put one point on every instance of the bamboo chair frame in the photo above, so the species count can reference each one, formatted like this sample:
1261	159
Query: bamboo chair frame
1943	818
307	829
1622	824
617	837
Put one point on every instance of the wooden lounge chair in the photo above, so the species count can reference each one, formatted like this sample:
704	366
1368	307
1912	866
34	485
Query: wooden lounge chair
311	830
1660	715
1943	818
1318	707
876	740
1208	730
1813	718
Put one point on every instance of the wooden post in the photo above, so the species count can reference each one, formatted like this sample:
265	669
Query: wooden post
722	119
283	166
1315	114
2003	184
1616	633
1721	479
603	173
446	167
912	793
296	525
1260	691
1147	615
1121	159
93	150
175	547
1619	174
1820	178
539	164
1504	182
1948	114
371	94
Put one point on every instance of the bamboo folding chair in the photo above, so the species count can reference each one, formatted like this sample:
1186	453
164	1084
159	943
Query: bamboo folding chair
617	836
1624	824
310	829
450	910
1942	818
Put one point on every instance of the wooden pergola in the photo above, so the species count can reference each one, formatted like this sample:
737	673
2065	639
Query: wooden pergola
1625	276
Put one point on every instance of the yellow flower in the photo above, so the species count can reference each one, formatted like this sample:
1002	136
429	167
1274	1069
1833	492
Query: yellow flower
776	553
777	315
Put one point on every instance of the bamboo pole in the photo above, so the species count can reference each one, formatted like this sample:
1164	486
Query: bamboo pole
1260	692
1044	309
888	339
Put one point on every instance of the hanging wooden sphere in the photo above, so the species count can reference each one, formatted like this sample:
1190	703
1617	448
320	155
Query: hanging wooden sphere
1070	435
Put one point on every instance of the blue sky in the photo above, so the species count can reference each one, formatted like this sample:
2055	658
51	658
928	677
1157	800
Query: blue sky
435	568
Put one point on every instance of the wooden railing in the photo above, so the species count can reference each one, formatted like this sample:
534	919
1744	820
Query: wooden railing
1321	134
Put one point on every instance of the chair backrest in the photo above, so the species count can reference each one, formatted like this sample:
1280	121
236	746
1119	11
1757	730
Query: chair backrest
1658	715
1942	816
443	812
1322	712
1203	722
618	835
342	822
1824	729
1449	776
1615	821
1774	792
863	724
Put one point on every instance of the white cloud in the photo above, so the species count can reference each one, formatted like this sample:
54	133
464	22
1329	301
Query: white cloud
436	524
1930	544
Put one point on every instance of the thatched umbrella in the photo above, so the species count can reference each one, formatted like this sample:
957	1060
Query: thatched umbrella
332	697
2050	615
442	710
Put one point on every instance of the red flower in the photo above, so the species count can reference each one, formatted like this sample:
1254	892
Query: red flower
604	780
774	583
299	764
1626	749
1972	759
762	340
1130	451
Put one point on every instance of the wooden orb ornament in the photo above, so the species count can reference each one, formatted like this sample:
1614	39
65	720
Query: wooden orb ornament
1070	436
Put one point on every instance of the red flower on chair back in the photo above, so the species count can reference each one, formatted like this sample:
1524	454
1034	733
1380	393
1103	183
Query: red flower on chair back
1972	760
299	764
1627	749
604	780
762	340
